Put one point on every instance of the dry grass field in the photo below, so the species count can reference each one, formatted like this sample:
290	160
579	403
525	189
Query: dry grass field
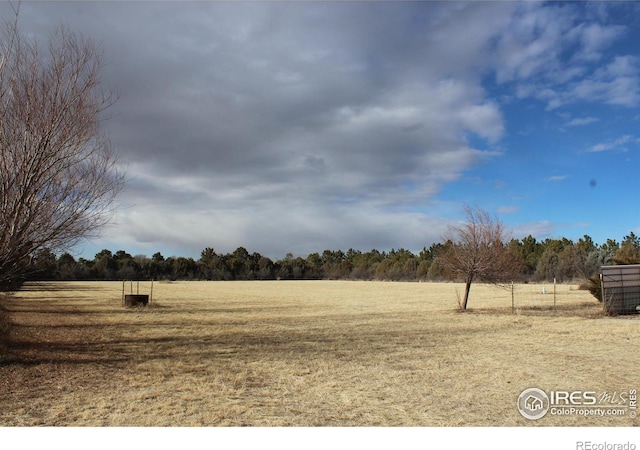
312	353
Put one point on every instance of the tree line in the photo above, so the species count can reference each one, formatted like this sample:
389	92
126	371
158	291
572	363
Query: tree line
561	259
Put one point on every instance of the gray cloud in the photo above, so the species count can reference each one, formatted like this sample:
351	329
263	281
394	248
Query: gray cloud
284	126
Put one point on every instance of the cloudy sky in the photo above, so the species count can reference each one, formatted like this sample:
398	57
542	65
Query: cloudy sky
304	126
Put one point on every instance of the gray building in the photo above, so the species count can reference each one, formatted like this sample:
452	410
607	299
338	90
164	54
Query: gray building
621	289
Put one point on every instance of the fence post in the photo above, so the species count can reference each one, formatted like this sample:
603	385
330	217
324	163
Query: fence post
554	294
513	303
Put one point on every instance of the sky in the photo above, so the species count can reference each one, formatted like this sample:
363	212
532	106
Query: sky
303	126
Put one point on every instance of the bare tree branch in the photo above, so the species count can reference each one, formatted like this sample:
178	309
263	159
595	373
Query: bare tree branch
59	173
480	251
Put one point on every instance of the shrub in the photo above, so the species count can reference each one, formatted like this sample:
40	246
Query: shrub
593	285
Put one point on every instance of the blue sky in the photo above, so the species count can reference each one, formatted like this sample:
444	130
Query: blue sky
304	126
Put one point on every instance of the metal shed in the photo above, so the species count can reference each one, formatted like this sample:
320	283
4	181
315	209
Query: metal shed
620	289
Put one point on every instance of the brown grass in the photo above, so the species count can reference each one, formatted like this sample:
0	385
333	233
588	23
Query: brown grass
310	353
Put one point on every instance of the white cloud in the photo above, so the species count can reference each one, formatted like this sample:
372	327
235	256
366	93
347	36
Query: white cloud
557	178
595	38
300	228
508	209
549	53
581	121
532	44
618	83
615	144
484	120
539	230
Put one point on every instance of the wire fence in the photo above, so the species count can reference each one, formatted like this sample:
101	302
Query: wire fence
545	297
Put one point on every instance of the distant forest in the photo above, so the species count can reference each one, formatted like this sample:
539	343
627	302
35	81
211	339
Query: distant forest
545	260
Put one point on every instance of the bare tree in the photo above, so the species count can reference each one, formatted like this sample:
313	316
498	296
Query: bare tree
480	251
59	174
